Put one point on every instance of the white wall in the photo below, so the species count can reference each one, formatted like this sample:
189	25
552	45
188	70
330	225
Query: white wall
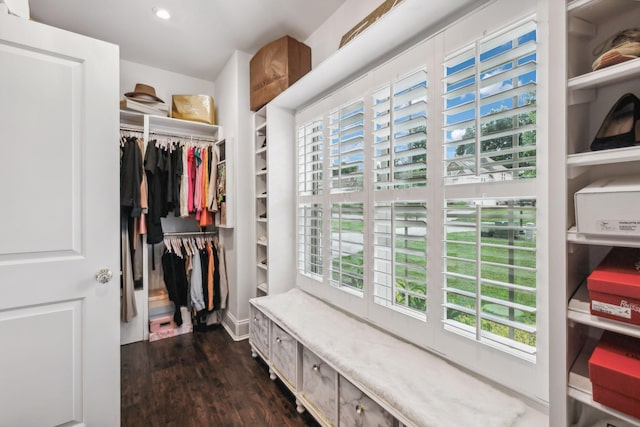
166	83
232	99
325	40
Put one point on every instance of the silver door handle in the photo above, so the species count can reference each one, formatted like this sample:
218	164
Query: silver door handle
104	276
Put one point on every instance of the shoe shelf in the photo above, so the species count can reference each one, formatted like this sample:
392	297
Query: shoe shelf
580	385
603	157
579	162
261	201
606	76
579	312
574	237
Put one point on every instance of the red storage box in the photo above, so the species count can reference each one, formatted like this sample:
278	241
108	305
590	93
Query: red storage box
614	370
614	287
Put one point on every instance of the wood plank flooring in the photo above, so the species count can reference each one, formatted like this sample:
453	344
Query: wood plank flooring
202	379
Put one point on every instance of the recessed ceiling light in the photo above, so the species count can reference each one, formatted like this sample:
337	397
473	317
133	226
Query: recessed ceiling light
161	13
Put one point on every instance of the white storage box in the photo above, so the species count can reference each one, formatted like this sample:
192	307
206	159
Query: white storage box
609	206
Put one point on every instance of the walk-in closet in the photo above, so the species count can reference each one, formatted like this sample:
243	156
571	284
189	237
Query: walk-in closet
341	213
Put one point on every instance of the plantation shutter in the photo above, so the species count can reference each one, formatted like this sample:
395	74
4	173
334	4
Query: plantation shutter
310	245
492	86
346	149
347	245
399	133
400	262
490	270
310	144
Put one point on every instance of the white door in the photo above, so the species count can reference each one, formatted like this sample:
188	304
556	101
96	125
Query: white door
59	328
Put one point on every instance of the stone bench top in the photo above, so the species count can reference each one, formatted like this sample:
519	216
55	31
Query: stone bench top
422	387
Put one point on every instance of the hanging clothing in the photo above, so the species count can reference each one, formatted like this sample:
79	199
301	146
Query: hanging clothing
197	297
210	278
153	165
130	176
222	270
192	177
176	163
212	197
184	184
128	308
175	279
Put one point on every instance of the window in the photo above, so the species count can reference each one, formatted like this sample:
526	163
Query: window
400	133
490	245
490	270
310	139
347	245
346	148
310	246
400	261
491	86
399	136
425	220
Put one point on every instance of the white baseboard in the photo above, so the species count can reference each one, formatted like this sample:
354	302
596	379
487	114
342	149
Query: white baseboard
238	330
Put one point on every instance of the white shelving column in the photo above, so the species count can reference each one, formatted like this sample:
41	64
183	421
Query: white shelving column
590	96
274	169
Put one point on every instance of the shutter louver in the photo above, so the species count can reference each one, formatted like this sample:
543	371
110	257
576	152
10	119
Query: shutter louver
310	145
492	87
346	148
400	263
310	246
399	133
347	245
496	286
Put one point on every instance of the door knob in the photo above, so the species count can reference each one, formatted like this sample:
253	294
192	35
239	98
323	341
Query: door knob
104	276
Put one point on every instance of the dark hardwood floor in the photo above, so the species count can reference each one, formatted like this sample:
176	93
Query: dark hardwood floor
202	379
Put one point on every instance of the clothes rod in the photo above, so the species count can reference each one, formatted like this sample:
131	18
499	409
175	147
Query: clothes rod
190	233
131	129
183	137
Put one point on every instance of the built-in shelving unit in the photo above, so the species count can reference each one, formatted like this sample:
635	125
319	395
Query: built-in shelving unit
590	96
261	200
225	215
273	198
148	125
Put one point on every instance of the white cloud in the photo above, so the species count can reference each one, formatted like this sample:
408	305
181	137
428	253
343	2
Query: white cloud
457	134
495	88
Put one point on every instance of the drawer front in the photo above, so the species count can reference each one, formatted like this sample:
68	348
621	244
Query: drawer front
319	382
283	353
259	331
358	410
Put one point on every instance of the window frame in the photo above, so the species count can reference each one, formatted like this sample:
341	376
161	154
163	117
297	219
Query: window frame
515	372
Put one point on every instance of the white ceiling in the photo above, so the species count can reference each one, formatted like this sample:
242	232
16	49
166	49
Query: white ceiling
201	34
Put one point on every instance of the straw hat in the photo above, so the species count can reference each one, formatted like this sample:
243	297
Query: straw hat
143	93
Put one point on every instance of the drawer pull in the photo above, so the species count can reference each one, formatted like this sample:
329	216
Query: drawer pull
255	319
359	409
278	340
316	367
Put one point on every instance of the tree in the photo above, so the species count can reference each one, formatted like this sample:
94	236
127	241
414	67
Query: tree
518	139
